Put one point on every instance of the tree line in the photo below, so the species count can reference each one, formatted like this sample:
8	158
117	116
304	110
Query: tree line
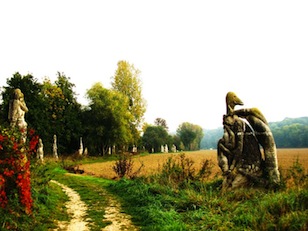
113	118
288	133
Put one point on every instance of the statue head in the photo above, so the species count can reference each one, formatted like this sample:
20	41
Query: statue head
17	94
232	100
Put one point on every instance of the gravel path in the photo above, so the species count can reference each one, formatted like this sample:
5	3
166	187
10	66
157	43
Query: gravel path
76	208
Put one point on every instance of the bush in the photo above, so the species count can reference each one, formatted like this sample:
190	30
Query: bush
178	171
124	167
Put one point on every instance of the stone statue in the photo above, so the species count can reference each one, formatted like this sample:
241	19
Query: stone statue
173	148
238	151
166	148
40	151
80	151
85	153
17	110
54	147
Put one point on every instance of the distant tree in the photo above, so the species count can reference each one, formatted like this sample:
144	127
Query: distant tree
126	81
106	119
190	135
71	120
62	114
161	122
154	137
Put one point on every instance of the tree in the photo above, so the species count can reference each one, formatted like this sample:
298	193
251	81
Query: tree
107	119
154	137
126	81
190	135
70	121
161	122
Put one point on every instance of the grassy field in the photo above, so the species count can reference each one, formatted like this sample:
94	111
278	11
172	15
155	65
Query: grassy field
153	162
167	200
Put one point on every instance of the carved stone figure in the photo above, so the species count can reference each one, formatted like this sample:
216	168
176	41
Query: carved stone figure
85	153
54	147
80	151
238	151
135	149
166	148
17	111
173	148
40	151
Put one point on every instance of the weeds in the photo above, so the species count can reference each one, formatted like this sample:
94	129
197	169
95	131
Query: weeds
124	167
179	171
297	176
181	198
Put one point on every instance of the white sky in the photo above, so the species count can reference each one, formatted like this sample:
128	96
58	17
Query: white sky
190	53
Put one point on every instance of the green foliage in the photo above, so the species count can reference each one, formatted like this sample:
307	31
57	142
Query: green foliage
190	135
53	109
288	133
291	133
161	122
154	137
107	121
126	81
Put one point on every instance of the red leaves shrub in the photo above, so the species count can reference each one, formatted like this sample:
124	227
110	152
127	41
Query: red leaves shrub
15	166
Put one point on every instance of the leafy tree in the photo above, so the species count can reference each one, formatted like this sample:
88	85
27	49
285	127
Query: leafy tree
126	81
53	109
190	135
154	137
161	122
106	119
70	121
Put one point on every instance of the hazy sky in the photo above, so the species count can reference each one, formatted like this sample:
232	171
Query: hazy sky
190	53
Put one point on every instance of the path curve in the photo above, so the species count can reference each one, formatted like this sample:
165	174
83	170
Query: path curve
76	208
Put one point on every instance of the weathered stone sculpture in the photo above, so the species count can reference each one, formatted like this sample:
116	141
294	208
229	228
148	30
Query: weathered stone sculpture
17	110
40	151
54	147
239	154
80	151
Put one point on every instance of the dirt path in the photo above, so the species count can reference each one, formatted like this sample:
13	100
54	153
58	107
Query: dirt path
76	208
119	220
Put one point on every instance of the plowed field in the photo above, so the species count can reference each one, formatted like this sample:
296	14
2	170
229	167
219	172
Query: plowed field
153	162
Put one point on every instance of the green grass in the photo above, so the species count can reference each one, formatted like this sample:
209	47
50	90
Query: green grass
198	205
160	202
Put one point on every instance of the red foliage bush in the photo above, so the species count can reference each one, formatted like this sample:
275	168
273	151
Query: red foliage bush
15	156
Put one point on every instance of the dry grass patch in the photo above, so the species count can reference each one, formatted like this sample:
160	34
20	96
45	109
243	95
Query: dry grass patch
153	162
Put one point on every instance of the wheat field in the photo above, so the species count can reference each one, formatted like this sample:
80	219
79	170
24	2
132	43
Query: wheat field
153	162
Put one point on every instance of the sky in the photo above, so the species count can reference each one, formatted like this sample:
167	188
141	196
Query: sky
190	53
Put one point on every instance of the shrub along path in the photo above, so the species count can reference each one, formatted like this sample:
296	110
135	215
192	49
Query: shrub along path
90	206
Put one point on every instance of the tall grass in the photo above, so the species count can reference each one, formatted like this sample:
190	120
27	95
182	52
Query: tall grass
178	199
